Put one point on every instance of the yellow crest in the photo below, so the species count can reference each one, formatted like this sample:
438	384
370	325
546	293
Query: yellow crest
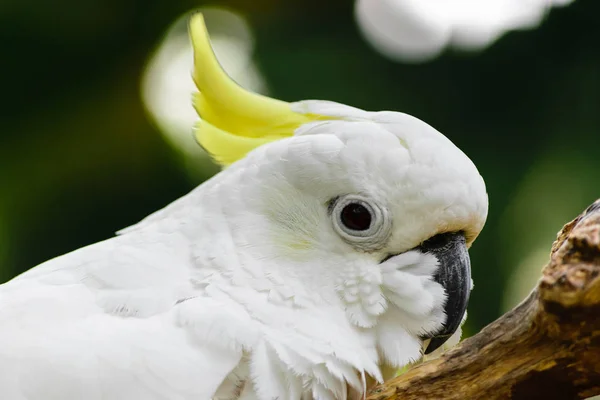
233	121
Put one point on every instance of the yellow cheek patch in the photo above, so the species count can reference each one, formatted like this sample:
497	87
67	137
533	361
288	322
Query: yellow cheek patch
301	244
234	121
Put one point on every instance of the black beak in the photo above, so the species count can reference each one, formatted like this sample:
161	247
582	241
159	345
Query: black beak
454	274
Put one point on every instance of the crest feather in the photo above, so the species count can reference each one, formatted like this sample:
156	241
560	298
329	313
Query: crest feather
234	121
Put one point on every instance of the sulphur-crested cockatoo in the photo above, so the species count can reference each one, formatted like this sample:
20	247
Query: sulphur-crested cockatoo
329	250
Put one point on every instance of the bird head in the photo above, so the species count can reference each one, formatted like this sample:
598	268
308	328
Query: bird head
376	208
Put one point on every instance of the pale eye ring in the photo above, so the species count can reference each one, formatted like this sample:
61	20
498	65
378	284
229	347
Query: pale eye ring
361	221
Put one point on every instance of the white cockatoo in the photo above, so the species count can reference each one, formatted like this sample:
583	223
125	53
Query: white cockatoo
330	250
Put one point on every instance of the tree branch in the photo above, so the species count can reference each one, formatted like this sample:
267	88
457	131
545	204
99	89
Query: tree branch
548	347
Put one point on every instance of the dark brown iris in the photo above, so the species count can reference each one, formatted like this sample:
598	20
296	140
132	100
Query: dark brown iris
357	217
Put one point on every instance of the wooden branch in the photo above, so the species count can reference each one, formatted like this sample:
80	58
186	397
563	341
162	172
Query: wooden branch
548	347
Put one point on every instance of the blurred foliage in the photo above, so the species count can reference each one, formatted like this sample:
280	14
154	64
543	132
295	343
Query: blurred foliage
80	159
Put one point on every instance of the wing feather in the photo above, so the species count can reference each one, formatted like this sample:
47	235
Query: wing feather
95	325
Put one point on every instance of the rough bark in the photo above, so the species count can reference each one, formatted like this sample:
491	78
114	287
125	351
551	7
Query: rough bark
548	347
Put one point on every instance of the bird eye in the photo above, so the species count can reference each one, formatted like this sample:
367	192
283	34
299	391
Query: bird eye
356	217
360	221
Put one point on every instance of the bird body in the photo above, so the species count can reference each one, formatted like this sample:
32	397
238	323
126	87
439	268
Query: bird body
330	246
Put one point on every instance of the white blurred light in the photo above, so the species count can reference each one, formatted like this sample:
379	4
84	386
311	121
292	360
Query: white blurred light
167	85
418	30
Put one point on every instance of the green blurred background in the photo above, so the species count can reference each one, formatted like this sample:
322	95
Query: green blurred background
85	149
